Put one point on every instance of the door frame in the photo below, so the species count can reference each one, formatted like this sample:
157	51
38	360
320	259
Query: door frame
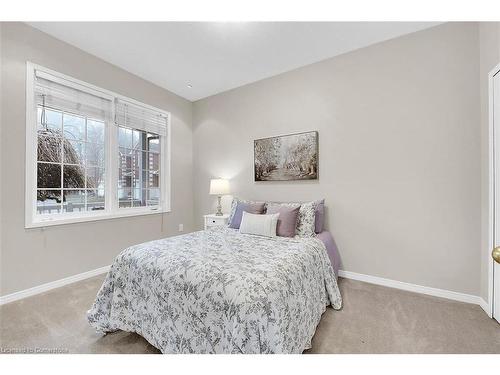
491	194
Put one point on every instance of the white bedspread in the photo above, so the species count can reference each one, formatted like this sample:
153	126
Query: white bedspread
219	291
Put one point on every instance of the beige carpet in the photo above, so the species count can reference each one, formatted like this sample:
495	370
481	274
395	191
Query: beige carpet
374	320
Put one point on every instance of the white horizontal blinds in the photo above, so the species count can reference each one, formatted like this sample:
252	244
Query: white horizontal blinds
135	116
68	96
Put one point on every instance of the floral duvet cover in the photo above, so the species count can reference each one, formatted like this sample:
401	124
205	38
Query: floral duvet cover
219	291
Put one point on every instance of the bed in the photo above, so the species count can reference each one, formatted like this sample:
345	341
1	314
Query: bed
219	291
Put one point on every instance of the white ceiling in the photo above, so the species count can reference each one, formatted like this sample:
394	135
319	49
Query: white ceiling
218	56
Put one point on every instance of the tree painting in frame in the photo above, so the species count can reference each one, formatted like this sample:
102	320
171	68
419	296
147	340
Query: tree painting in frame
286	158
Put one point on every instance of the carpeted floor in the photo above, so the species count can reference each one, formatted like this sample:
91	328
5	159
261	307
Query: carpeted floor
374	319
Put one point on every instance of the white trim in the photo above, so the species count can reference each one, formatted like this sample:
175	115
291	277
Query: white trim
31	151
485	306
135	211
491	191
52	285
111	211
167	174
462	297
468	298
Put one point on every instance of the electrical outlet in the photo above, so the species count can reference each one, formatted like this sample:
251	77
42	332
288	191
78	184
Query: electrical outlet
181	227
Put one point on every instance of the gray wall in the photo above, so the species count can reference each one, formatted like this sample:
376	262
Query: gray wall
36	256
489	44
400	157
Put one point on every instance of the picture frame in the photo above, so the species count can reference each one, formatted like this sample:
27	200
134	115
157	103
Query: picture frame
289	157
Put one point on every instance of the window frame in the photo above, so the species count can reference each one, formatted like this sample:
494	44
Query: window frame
112	210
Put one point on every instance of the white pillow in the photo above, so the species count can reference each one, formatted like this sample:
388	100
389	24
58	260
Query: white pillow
261	225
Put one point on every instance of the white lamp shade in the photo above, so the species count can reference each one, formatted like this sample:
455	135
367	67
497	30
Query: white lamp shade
219	186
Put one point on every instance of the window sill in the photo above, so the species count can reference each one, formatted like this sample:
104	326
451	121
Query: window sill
49	222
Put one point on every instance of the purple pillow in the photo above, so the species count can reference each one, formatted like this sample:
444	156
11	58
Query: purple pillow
251	208
287	220
319	223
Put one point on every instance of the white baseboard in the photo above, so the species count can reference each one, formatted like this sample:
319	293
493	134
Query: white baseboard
462	297
346	274
52	285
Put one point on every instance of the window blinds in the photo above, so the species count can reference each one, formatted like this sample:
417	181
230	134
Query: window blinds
57	93
138	117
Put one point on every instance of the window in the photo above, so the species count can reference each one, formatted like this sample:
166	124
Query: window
70	162
140	132
91	154
139	168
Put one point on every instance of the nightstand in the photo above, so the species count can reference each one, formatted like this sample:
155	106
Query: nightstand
213	220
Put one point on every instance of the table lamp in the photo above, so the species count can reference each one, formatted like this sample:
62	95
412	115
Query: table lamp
219	187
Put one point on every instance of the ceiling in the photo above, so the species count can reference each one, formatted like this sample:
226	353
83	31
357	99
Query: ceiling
213	57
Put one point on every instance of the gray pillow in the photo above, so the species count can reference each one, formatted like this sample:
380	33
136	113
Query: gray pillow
287	220
252	208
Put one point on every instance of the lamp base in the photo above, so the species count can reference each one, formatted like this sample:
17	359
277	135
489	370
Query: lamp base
219	207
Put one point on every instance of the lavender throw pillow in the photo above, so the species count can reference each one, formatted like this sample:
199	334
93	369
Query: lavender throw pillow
286	221
319	223
252	208
306	221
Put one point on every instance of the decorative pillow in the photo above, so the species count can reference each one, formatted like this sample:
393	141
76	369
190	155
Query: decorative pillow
320	216
306	220
260	225
253	208
234	203
287	220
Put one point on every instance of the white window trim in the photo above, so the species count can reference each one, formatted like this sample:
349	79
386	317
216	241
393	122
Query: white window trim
32	220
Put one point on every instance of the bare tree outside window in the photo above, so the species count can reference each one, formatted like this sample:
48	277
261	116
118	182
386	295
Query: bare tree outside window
70	171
